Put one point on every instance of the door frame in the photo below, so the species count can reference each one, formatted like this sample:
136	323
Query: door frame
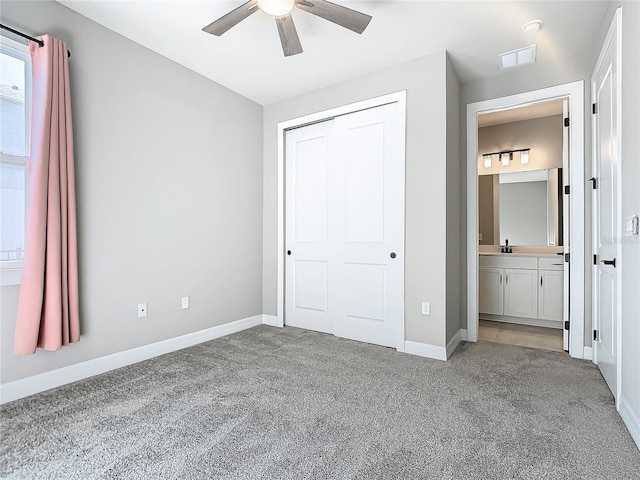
614	34
397	97
574	91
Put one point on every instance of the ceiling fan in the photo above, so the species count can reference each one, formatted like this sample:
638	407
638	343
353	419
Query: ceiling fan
281	11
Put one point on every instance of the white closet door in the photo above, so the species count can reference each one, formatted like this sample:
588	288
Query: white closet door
308	265
368	224
345	227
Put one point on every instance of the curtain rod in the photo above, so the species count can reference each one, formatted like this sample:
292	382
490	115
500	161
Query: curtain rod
28	37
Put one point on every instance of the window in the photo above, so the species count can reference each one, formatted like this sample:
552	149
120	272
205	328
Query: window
15	111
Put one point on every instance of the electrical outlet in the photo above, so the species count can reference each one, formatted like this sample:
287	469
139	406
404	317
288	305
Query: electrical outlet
142	310
426	308
185	302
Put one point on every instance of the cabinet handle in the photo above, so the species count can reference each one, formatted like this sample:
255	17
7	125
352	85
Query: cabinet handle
500	281
506	279
540	280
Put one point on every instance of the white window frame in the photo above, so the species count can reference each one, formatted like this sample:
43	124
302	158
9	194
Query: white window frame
11	270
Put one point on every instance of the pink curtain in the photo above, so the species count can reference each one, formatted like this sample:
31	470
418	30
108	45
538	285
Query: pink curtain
48	307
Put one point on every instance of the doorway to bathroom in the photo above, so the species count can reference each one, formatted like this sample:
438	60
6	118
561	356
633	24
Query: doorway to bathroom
521	225
525	153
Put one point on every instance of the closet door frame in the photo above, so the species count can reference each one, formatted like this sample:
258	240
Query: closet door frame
399	98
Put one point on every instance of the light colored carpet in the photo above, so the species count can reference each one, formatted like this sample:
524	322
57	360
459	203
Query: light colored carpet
288	403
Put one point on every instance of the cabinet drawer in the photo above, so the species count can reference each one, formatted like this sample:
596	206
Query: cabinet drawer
551	263
506	261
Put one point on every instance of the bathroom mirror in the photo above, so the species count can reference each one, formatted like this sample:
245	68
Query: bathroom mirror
524	207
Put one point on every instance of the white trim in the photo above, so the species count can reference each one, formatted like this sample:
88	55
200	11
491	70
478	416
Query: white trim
575	92
398	97
61	376
453	343
618	22
10	276
425	350
588	353
271	320
464	335
630	419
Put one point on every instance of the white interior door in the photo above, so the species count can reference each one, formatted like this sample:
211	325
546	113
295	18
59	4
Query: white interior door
345	227
307	230
369	226
566	228
606	211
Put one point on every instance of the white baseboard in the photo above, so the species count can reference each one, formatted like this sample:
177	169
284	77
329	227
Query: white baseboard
61	376
588	353
271	320
631	419
453	343
464	334
425	350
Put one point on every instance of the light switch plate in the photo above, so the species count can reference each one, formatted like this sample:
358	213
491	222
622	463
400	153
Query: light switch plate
185	302
426	308
632	226
142	310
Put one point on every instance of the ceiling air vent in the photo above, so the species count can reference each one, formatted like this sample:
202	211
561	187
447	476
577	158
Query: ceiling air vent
519	57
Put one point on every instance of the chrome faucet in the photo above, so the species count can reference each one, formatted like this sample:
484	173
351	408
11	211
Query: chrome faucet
506	248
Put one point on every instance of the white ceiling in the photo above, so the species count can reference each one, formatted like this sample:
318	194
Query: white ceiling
248	58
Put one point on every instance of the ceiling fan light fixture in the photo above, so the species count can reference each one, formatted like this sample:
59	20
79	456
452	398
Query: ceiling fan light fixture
276	8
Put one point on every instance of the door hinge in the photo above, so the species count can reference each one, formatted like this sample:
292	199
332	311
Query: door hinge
594	108
567	189
594	182
566	325
567	257
595	259
596	335
566	122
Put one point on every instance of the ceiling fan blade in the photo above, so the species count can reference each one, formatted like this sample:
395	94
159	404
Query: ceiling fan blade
288	36
232	18
343	16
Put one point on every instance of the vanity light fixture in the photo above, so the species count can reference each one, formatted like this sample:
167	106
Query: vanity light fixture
506	156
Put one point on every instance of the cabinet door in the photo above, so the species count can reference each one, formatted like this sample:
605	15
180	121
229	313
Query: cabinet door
520	293
550	298
491	293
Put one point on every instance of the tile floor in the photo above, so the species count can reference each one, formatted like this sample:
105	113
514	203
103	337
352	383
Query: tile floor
521	335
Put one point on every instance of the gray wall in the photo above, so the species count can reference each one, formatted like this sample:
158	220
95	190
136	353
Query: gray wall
425	234
454	242
169	191
542	135
486	207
